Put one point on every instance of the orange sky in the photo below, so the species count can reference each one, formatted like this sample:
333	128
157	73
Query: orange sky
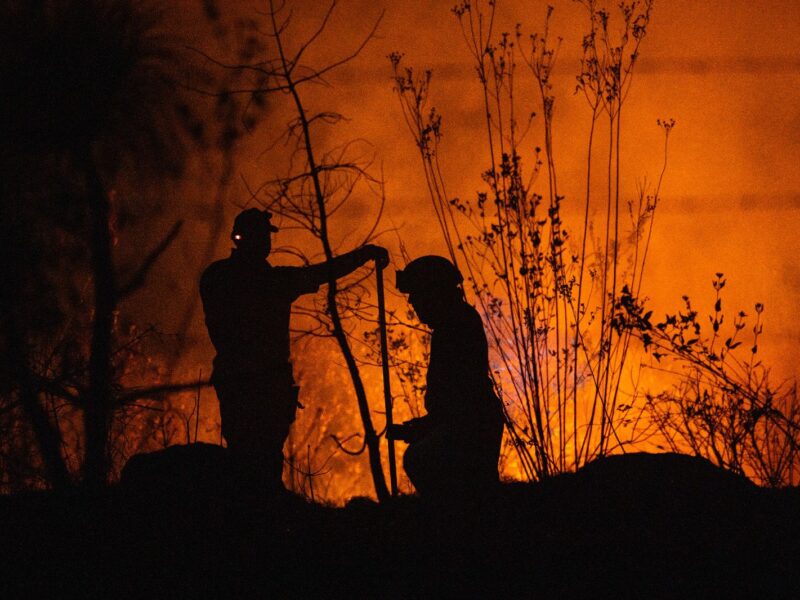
728	72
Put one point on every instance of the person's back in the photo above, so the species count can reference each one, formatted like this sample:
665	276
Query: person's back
458	386
466	414
248	307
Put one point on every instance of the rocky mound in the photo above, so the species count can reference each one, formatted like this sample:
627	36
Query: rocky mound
638	525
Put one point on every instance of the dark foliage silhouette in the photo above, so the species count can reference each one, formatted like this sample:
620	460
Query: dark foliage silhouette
721	404
91	96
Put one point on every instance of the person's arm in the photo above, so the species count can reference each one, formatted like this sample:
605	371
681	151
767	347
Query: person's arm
345	264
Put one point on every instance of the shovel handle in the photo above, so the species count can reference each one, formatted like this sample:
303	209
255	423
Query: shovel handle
387	392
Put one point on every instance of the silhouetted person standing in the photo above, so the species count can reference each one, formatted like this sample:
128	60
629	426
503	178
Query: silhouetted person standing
455	447
247	305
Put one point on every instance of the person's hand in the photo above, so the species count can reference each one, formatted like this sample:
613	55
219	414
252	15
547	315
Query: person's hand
379	254
410	431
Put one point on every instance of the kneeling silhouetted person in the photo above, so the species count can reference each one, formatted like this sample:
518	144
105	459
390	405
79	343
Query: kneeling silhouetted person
247	305
455	447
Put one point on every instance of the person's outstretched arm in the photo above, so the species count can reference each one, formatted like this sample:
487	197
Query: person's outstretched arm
345	264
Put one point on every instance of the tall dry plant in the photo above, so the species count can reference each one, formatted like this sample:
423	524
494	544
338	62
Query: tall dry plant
721	404
547	295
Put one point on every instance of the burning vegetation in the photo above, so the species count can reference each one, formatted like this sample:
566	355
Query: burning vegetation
108	116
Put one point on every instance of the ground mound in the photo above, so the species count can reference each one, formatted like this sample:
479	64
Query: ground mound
637	525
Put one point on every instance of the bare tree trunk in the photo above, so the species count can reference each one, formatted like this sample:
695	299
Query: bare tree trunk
370	437
98	409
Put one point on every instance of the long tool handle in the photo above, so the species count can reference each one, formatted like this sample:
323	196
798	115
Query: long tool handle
387	391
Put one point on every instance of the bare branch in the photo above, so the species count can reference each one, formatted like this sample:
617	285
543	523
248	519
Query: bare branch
340	444
314	36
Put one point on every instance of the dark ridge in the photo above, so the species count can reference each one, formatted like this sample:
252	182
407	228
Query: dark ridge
630	526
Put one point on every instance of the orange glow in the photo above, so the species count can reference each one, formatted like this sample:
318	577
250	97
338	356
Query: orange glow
730	199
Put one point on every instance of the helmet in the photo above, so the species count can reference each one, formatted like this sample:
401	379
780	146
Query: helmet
252	221
428	272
